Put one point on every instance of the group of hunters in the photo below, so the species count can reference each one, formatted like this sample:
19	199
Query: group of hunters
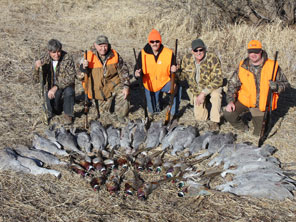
105	78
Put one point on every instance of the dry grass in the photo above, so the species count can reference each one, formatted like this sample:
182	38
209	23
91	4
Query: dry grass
25	29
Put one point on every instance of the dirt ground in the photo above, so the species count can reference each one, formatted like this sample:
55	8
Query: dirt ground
25	29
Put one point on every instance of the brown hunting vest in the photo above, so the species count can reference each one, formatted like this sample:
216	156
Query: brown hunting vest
102	78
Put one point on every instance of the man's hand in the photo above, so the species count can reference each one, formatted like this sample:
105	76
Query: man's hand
51	92
200	99
138	73
274	87
230	107
85	63
80	75
125	92
37	64
173	68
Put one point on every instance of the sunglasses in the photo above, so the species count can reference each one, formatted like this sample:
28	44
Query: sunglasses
198	50
156	41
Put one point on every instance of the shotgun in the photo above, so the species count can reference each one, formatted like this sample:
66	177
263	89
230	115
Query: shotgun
266	126
43	96
172	90
142	86
86	97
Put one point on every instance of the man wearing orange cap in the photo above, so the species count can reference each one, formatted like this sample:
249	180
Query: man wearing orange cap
249	85
156	62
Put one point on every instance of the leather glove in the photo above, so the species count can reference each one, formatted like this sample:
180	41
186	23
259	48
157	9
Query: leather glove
273	86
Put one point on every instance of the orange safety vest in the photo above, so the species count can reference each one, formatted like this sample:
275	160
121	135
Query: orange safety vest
247	93
103	85
156	74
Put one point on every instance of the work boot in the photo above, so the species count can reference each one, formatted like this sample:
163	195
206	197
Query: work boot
213	126
117	118
150	116
243	128
121	119
68	119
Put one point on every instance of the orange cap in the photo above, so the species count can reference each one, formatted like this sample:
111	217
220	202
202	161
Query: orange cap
254	44
154	35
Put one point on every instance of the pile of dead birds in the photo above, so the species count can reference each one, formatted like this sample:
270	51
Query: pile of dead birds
115	159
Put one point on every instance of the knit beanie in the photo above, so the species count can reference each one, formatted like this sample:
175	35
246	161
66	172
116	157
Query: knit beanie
154	35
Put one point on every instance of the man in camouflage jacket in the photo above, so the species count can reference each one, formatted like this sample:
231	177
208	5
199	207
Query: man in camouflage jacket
59	77
202	70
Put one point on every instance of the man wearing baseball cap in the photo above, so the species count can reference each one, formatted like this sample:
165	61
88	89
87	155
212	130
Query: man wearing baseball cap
107	79
202	70
249	85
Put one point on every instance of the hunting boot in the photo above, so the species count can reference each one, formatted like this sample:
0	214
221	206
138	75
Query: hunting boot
68	119
213	126
239	124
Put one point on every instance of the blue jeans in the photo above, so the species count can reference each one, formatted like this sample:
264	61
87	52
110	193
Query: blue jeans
152	99
63	101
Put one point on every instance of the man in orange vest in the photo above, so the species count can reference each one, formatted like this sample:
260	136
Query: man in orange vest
156	62
107	79
249	85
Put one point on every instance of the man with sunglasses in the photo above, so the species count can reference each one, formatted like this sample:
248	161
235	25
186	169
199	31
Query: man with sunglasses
59	74
202	70
248	88
156	62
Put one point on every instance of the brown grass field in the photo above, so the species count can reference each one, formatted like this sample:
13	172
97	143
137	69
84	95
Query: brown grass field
26	26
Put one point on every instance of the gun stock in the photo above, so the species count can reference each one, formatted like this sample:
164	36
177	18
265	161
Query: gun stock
172	89
267	114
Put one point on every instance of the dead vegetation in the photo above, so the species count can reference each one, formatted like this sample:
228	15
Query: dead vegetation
26	26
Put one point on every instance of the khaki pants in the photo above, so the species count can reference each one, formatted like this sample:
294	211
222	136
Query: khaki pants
201	112
121	105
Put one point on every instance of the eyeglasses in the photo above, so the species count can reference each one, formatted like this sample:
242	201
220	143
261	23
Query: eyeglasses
156	41
256	51
198	50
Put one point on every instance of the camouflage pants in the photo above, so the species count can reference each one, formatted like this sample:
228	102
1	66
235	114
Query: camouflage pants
116	103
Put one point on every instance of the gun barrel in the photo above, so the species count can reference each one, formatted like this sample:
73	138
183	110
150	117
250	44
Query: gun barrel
267	113
172	89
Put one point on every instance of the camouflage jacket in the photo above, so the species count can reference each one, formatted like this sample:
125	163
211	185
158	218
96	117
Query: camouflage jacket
234	82
210	73
65	71
122	68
